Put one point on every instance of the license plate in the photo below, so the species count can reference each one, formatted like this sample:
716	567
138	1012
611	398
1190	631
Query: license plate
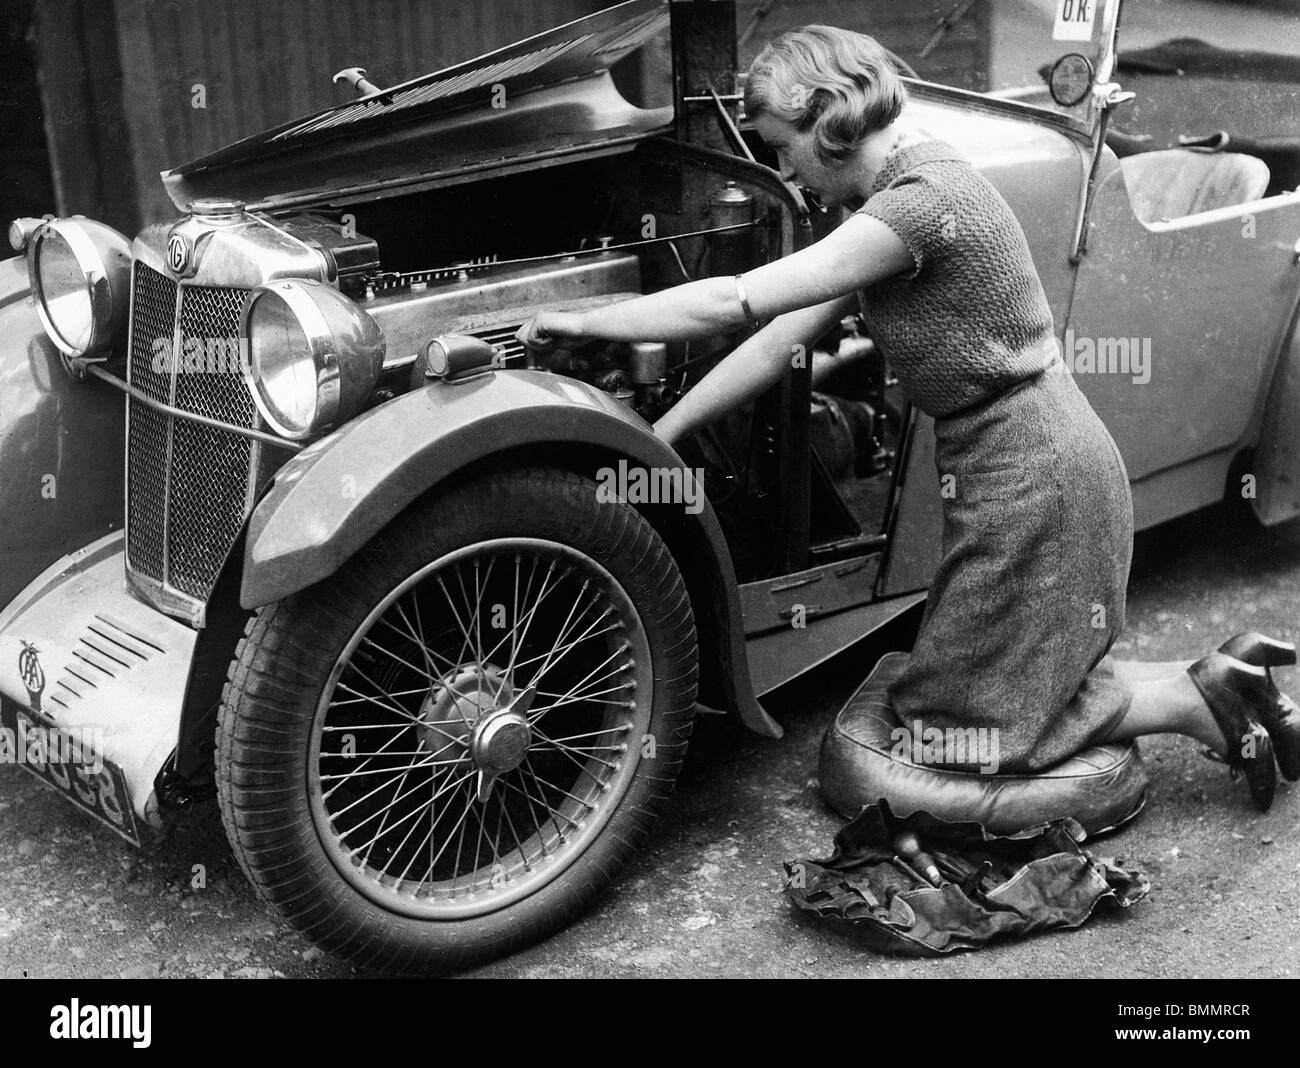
93	784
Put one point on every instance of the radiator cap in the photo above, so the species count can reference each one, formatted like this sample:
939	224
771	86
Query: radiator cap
216	209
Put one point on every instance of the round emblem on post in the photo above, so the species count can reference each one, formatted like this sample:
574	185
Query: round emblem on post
178	253
29	670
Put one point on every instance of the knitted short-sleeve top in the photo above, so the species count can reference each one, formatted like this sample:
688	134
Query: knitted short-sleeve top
971	320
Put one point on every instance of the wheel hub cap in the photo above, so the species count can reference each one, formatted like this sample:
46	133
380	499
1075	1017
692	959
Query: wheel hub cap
500	741
463	695
475	712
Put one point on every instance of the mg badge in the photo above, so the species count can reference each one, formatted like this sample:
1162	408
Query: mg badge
31	673
178	253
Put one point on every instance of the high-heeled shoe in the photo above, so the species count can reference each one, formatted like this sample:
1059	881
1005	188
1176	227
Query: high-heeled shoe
1235	693
1282	720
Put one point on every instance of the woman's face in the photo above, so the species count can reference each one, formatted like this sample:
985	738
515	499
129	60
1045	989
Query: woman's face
798	163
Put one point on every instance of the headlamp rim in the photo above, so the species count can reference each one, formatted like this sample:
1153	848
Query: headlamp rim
96	279
315	327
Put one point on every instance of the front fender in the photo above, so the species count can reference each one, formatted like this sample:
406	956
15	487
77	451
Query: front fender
60	446
337	494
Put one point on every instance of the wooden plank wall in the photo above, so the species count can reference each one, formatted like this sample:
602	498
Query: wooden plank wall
901	25
80	103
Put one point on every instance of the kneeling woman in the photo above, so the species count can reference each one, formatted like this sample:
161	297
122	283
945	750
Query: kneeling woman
1038	526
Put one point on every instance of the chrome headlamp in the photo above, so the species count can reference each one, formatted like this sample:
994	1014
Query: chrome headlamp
314	356
80	273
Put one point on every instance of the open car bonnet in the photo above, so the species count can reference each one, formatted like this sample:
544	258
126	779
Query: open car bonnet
548	95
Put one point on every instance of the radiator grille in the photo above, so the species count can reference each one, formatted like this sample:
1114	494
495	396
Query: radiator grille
210	468
152	318
187	484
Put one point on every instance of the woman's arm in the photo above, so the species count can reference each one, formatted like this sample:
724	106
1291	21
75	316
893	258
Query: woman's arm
691	310
860	251
752	367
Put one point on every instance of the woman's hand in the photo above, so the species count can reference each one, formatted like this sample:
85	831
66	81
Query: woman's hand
544	332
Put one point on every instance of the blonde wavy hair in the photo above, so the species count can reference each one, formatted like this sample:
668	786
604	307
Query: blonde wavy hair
838	83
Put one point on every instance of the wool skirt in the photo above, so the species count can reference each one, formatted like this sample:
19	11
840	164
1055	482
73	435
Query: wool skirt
1029	594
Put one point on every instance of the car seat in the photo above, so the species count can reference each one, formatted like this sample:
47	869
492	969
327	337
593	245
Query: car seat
1175	182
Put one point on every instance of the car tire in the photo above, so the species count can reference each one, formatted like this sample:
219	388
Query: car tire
597	765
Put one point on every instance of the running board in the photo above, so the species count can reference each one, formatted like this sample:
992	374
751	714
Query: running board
779	656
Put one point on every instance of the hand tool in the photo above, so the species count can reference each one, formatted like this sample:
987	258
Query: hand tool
873	902
910	871
909	845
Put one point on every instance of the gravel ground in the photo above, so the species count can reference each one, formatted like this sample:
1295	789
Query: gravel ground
705	899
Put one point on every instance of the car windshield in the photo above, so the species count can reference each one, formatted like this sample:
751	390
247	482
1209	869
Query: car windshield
1005	48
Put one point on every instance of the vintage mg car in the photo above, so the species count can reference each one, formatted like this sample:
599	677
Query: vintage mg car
288	517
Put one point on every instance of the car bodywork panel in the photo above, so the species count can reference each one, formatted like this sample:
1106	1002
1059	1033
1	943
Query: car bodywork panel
112	668
1210	299
1277	457
60	446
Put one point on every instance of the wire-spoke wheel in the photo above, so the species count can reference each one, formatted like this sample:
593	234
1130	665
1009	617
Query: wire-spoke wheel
449	748
464	759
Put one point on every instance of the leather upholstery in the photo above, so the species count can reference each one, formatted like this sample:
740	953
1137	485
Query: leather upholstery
1101	787
1175	182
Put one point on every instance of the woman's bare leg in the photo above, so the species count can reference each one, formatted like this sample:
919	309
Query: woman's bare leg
1165	701
1134	671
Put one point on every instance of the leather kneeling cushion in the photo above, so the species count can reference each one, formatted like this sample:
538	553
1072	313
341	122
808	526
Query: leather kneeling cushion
1101	787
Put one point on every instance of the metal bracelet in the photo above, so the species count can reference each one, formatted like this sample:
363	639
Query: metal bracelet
744	302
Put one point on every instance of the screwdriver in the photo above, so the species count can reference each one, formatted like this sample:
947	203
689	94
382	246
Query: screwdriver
908	845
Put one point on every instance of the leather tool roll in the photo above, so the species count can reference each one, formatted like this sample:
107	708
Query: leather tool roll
991	886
